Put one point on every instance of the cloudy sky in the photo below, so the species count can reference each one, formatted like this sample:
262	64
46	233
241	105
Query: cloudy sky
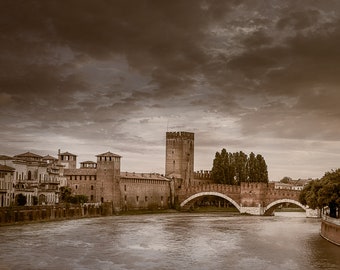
94	76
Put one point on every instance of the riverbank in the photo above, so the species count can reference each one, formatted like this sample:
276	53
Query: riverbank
330	229
43	213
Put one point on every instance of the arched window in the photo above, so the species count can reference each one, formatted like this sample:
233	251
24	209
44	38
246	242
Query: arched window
29	175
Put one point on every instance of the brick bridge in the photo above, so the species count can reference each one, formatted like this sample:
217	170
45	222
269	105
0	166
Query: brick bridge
251	198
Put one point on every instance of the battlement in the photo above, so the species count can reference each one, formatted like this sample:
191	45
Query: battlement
202	175
180	134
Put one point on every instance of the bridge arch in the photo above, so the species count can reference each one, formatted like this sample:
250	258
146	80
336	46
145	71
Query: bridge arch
270	207
211	193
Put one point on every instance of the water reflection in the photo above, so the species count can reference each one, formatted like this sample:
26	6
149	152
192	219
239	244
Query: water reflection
169	241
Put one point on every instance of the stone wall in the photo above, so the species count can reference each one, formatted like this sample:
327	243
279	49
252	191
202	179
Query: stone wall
139	193
330	229
27	214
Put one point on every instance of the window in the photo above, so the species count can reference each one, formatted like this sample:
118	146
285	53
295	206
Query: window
124	187
146	198
29	175
91	187
137	198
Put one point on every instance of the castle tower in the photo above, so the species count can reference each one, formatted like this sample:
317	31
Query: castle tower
179	160
68	160
108	176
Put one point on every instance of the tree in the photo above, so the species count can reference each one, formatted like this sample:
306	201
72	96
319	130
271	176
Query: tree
76	199
262	169
323	192
251	170
240	160
21	199
35	200
234	168
286	180
65	194
222	169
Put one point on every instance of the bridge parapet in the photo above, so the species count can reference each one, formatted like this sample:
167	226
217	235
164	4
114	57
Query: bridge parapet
231	191
210	187
276	194
252	198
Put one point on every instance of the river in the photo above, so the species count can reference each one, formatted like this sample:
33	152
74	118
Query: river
170	241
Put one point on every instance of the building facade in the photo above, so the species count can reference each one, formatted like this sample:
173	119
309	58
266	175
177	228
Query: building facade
36	177
102	181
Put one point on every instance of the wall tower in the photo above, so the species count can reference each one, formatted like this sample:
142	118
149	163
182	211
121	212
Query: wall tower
108	176
179	160
68	160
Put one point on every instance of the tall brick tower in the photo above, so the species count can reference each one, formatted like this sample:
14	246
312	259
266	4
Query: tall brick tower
108	176
179	160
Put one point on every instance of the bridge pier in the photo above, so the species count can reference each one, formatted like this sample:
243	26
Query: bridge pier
313	213
255	210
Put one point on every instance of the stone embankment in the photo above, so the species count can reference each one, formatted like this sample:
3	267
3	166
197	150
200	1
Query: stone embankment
29	214
330	229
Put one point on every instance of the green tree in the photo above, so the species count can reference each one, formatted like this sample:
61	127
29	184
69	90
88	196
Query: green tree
222	170
65	194
323	192
251	168
261	169
76	199
240	160
234	168
286	180
21	199
35	200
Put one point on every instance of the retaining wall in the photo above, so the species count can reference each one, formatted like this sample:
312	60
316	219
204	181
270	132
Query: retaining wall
330	229
28	214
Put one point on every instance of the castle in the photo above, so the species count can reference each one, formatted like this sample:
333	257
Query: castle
39	178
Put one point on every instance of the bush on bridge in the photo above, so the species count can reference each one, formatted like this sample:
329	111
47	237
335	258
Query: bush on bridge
323	192
234	168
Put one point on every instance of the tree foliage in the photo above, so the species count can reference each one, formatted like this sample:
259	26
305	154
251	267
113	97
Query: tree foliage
323	192
21	199
286	180
234	168
66	196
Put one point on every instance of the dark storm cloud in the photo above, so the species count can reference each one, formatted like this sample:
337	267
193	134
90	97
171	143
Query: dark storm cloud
43	41
85	70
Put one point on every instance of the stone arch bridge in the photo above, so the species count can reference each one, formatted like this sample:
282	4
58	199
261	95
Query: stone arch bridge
250	198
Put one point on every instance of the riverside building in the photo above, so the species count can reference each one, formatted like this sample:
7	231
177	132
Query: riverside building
39	178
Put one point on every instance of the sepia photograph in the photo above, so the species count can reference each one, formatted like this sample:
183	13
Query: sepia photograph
169	134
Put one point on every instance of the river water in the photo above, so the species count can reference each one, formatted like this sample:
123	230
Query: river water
170	241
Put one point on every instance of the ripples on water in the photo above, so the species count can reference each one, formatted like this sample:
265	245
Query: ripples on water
170	241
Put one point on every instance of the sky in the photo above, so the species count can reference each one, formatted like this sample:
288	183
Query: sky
89	77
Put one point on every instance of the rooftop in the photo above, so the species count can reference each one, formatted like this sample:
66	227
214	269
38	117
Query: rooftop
108	154
6	168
